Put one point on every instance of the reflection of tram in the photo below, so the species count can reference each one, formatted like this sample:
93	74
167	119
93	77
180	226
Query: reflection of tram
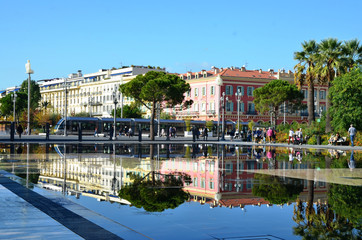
103	125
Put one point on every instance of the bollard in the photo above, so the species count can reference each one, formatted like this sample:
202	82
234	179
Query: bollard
139	133
47	125
12	131
80	132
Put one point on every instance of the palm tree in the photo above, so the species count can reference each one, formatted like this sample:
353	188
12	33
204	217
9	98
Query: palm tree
329	62
305	72
352	54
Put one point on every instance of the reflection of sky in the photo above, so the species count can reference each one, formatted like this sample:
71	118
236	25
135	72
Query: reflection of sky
194	221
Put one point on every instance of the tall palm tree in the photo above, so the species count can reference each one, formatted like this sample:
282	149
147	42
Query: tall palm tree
352	54
305	72
328	64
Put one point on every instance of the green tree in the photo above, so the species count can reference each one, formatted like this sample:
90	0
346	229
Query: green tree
352	54
7	104
129	111
275	190
328	64
156	87
305	72
272	95
346	99
156	195
35	95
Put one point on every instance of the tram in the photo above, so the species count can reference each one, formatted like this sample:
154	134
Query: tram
103	125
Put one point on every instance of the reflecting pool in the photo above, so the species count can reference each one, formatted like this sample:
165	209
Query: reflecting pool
199	191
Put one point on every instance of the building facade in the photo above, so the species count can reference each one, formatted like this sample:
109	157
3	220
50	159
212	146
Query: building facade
208	87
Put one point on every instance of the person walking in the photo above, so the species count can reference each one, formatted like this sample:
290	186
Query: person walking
269	134
19	129
291	133
205	133
352	133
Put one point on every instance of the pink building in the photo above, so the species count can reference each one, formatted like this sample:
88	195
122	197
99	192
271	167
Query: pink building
207	87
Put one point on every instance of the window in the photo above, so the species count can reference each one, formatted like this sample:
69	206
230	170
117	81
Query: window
241	90
195	182
211	183
229	106
322	94
212	166
202	183
203	91
196	92
202	166
305	93
251	107
203	107
229	167
241	107
229	90
250	91
212	90
196	107
195	166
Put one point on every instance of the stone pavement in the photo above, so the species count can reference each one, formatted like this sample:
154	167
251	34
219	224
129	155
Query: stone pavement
26	214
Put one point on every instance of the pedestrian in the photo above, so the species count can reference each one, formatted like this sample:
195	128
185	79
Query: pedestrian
270	134
193	133
352	133
130	132
248	136
232	133
205	133
291	133
19	129
300	135
96	132
111	132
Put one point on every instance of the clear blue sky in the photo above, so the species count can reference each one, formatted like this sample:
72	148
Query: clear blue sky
61	37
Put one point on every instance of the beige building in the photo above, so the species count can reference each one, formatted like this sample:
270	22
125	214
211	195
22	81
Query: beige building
91	93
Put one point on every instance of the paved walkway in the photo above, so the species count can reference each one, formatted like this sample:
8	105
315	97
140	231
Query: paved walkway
158	140
25	214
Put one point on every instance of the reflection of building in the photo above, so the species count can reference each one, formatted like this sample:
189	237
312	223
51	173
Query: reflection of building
228	180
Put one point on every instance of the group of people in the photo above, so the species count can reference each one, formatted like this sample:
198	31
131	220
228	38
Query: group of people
262	134
334	139
295	137
196	133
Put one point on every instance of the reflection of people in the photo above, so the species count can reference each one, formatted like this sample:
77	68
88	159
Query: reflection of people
351	162
291	154
96	132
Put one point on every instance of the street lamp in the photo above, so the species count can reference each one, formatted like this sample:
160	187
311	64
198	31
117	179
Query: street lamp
238	97
121	98
66	106
14	100
115	101
28	71
222	103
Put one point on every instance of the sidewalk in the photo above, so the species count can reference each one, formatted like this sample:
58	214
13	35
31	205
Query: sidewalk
73	139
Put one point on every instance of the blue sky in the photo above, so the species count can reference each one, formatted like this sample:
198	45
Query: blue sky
61	37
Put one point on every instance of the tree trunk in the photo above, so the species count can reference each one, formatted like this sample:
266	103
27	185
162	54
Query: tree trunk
152	128
310	104
328	116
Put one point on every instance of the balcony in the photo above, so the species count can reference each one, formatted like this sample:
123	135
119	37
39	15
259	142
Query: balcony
211	112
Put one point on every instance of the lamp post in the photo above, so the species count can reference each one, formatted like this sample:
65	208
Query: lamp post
28	71
121	98
115	101
222	103
14	100
66	106
238	98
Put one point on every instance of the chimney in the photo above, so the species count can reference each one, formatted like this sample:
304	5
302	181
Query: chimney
271	70
243	69
216	70
260	71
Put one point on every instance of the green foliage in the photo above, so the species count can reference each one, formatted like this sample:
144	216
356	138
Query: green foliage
251	124
81	114
129	111
272	95
188	125
346	201
7	105
156	195
275	190
35	95
156	87
210	125
346	98
165	115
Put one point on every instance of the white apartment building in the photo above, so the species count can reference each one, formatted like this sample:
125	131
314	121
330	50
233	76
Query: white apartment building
92	93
